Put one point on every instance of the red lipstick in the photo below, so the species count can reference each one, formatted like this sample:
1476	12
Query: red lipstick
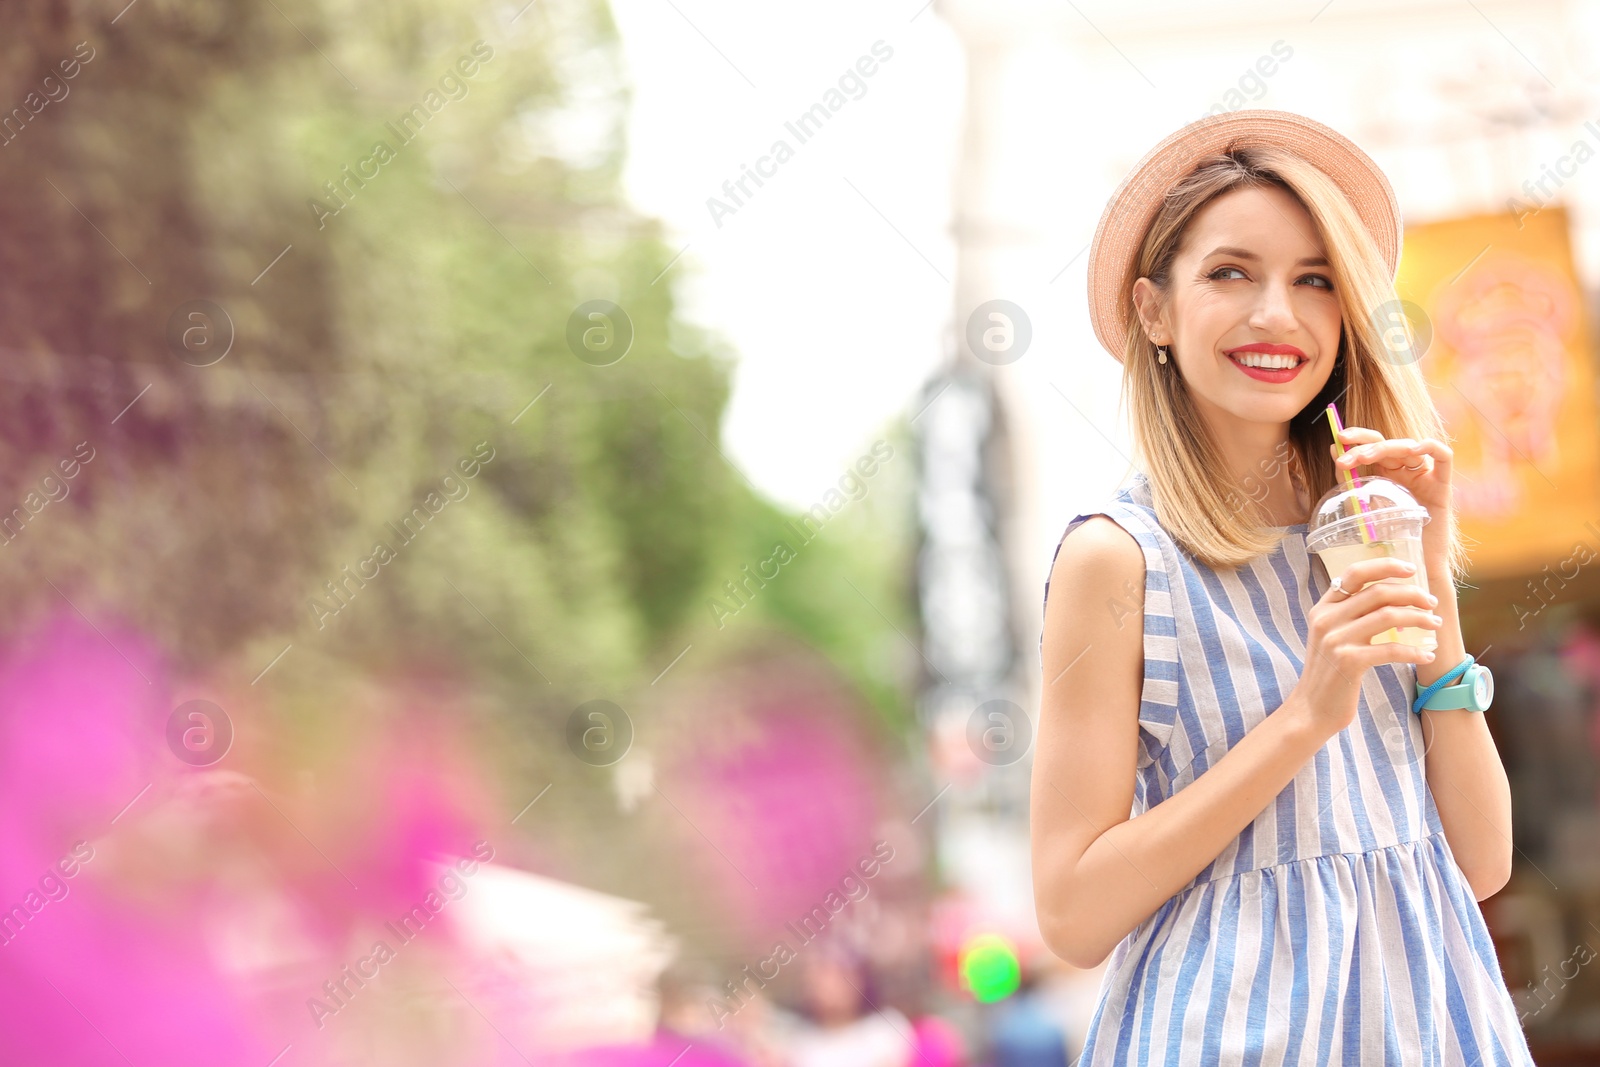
1264	374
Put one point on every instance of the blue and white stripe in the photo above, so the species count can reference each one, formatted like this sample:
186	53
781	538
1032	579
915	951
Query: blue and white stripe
1337	927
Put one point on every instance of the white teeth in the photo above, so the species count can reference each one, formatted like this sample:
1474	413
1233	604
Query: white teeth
1265	361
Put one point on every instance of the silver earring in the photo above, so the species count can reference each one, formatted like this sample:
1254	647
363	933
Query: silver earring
1162	352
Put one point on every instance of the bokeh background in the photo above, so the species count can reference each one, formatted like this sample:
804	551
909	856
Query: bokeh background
524	523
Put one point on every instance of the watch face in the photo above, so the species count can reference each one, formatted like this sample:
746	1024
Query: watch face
1483	688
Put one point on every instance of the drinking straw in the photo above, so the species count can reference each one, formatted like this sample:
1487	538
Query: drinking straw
1352	479
1368	534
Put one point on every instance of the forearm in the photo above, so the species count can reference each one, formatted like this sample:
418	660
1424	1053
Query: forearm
1135	866
1464	771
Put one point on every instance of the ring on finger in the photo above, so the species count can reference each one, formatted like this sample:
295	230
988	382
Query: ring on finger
1338	586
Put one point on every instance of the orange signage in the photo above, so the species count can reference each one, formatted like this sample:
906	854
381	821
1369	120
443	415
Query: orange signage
1505	350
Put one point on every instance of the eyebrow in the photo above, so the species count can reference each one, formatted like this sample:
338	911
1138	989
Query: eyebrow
1245	253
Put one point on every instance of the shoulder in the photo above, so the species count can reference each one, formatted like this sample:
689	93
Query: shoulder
1098	561
1099	548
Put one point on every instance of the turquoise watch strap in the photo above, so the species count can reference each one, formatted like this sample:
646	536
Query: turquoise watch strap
1458	696
1455	672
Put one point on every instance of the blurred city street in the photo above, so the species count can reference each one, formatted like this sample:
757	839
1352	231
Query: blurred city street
525	522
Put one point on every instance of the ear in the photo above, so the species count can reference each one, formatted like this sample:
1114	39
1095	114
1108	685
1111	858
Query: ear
1152	314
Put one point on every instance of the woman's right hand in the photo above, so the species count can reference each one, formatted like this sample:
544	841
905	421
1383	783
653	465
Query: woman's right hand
1340	647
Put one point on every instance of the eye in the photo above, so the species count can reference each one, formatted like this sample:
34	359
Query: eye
1213	276
1326	282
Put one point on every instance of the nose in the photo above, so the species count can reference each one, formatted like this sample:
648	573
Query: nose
1273	312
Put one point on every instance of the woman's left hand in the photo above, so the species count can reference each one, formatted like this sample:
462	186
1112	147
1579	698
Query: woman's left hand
1422	468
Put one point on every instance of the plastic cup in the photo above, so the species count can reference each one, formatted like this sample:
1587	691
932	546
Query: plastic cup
1374	519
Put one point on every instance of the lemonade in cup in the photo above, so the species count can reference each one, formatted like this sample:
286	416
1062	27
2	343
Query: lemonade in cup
1376	518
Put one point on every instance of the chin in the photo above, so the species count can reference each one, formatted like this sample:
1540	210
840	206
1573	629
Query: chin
1253	407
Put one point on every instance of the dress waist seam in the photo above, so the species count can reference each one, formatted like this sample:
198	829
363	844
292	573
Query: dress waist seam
1307	859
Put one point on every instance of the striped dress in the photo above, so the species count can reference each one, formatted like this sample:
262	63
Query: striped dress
1337	927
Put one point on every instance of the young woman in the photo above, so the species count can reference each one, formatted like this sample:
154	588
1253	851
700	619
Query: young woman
1232	797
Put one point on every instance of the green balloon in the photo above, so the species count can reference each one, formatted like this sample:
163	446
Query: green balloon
989	968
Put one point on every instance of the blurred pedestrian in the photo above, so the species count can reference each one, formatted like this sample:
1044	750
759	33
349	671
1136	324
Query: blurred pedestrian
1024	1031
841	1027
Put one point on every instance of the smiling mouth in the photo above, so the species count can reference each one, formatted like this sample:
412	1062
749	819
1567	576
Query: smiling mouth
1267	361
1271	369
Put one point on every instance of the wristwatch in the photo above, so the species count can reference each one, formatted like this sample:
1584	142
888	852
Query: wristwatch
1473	692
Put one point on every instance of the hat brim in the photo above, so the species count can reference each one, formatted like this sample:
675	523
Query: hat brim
1133	206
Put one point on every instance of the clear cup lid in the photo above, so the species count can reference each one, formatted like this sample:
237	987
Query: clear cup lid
1343	508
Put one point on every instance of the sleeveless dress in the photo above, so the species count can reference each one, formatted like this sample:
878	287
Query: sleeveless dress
1337	927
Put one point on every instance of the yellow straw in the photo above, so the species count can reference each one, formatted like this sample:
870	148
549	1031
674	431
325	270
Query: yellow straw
1351	478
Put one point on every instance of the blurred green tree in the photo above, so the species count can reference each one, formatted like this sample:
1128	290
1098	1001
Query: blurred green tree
390	212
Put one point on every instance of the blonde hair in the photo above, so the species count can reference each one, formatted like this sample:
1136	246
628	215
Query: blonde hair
1376	387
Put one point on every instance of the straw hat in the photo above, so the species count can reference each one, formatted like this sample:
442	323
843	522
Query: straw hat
1133	206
